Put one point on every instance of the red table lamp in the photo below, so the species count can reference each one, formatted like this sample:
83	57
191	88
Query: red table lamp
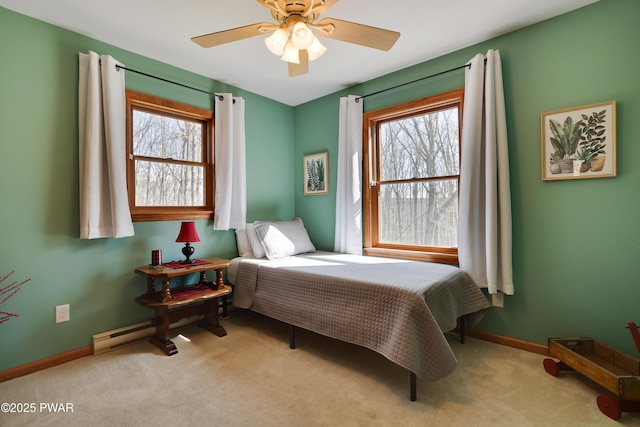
188	234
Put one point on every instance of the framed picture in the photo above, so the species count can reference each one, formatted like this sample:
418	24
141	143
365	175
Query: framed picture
316	174
579	142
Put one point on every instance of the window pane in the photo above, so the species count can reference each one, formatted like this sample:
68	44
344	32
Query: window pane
422	146
165	137
166	184
419	213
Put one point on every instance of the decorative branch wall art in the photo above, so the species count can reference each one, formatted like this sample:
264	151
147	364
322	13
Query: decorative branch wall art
6	293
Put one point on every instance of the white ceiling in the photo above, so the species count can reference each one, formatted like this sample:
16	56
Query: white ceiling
162	30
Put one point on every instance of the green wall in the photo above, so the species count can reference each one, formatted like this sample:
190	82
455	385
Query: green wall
39	191
576	243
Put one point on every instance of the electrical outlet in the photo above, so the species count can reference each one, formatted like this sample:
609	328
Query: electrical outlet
62	313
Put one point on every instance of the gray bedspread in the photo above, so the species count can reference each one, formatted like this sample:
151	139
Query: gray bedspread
397	308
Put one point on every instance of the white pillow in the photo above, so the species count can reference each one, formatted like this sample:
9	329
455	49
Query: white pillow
256	245
243	243
283	238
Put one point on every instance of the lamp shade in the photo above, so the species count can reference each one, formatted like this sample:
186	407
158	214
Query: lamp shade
291	54
302	36
316	50
276	42
188	232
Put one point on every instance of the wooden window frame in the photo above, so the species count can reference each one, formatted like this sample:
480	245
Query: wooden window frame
153	104
371	121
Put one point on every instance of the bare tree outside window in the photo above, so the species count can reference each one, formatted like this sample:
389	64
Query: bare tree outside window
419	164
165	145
170	168
411	201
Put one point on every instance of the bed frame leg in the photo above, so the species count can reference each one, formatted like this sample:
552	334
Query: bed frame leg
413	394
292	337
412	386
462	323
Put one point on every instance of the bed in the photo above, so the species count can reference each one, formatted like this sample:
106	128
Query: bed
397	308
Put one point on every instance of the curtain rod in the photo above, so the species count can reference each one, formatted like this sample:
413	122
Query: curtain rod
220	97
414	81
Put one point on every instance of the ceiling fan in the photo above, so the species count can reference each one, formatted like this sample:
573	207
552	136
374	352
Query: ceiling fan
293	37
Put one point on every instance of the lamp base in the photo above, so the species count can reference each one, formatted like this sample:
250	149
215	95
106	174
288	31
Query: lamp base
187	251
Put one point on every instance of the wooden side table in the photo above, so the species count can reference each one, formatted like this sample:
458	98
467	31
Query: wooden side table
172	305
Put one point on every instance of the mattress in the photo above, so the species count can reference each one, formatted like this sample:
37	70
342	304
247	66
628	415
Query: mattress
398	308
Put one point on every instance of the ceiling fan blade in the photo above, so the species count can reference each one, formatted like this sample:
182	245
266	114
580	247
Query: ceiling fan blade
363	35
227	36
302	67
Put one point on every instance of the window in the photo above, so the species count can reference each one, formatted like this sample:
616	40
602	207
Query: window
169	159
411	176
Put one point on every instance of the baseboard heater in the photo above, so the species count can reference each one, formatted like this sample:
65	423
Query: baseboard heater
117	338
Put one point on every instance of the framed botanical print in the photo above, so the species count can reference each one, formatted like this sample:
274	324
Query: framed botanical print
316	174
579	142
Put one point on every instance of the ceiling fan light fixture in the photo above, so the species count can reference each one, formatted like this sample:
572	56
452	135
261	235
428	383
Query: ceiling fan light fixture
302	36
277	41
292	36
291	54
316	50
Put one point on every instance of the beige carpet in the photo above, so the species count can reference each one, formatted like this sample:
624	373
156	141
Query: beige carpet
252	378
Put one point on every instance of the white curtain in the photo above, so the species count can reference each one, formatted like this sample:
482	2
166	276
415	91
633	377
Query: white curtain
348	232
104	203
484	246
230	163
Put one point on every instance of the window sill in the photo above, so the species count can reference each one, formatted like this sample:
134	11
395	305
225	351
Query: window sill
171	216
441	258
